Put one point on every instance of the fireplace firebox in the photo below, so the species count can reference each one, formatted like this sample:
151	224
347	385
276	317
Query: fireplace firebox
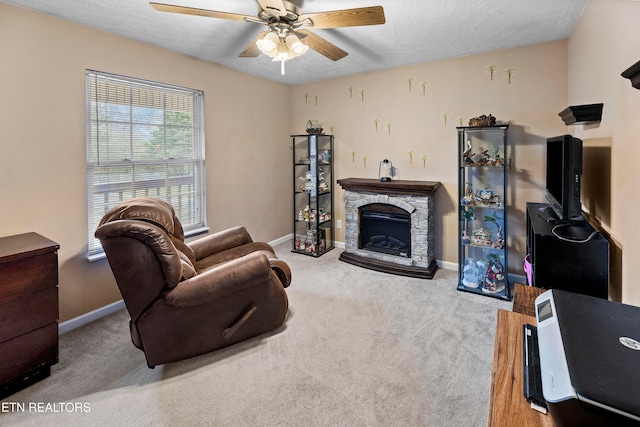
386	229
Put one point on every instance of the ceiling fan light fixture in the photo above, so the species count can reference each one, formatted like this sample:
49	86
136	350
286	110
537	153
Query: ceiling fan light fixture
283	19
269	43
295	45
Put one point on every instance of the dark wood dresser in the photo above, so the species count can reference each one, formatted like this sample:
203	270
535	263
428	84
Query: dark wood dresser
28	310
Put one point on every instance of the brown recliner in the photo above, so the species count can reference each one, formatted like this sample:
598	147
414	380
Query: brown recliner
186	299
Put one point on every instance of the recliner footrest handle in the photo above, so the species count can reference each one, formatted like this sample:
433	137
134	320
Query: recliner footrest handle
227	333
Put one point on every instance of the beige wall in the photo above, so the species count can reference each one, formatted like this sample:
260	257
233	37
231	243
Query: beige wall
42	166
42	136
462	88
604	43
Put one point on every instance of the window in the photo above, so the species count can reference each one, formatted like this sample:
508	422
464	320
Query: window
144	139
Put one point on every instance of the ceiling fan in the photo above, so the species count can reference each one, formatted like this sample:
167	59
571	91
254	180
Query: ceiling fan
284	39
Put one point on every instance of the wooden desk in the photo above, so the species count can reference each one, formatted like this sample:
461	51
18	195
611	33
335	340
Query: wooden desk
524	298
507	404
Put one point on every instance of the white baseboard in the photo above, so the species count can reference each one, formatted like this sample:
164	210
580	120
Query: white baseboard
282	239
446	265
76	322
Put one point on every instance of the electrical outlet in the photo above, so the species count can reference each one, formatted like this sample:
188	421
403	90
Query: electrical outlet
339	223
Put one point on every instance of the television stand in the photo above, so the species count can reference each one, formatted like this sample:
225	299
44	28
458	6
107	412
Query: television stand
575	231
547	214
570	256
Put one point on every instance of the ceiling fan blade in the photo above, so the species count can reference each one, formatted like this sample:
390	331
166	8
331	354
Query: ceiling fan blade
373	15
274	6
321	46
161	7
252	50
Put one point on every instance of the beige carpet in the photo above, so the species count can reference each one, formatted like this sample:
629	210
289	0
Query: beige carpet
359	348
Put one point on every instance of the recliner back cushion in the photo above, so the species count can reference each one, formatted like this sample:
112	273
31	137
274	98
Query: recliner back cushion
153	236
146	209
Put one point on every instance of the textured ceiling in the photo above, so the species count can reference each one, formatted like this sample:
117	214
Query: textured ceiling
415	31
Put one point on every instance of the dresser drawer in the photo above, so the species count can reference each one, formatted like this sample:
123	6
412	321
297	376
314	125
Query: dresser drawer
28	275
27	313
28	352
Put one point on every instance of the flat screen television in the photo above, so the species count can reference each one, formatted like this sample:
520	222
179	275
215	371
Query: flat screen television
564	173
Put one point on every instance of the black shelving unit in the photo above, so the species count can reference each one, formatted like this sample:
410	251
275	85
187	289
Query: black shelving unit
482	215
313	229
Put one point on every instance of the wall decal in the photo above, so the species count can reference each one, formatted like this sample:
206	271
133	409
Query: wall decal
306	98
376	122
353	156
362	92
388	125
424	86
332	130
490	69
424	159
461	121
410	81
316	98
364	161
351	88
410	153
508	72
444	116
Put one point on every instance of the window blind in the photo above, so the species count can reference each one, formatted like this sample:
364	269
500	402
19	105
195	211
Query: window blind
143	139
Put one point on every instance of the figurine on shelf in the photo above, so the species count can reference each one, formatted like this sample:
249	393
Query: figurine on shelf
481	158
467	215
494	281
470	273
322	185
314	127
324	157
323	216
466	155
485	196
468	198
483	120
311	241
307	184
494	219
481	237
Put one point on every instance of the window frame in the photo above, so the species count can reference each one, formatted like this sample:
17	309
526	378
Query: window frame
100	90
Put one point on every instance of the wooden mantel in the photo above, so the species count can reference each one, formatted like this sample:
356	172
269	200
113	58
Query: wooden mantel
389	187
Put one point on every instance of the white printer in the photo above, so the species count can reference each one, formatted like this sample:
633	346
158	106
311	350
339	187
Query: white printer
589	359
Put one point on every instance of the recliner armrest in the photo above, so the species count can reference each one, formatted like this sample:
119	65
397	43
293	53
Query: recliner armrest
220	241
282	270
221	281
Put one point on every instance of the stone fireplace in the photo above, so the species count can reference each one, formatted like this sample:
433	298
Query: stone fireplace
389	226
